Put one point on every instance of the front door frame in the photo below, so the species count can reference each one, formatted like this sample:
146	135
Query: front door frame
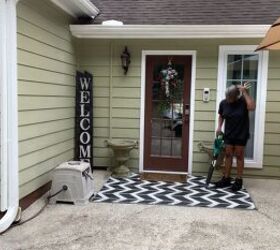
191	53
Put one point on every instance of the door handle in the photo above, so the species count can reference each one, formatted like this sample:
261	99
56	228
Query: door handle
187	112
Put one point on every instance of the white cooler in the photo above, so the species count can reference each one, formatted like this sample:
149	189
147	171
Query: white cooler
78	178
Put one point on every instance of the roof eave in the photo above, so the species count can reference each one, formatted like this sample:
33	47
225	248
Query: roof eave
77	8
168	31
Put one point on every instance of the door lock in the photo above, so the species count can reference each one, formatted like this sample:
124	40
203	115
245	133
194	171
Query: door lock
187	112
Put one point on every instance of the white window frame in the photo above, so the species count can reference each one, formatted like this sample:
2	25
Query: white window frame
224	51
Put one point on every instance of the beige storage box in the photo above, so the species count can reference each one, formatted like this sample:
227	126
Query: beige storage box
78	179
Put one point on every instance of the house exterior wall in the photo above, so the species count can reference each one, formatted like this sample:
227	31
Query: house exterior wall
116	101
46	90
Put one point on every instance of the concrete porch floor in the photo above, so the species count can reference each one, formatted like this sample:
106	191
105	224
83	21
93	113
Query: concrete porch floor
103	226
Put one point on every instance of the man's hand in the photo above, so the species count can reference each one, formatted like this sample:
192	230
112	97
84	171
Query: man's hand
244	88
218	131
249	100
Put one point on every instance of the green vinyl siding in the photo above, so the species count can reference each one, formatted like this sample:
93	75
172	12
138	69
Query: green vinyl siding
117	97
272	125
46	90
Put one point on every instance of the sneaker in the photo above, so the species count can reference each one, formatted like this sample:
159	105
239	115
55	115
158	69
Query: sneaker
237	185
224	182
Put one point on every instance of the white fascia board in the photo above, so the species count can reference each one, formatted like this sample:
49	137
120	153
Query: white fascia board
77	8
169	31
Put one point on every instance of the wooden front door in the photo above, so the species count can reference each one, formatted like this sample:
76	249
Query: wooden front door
167	110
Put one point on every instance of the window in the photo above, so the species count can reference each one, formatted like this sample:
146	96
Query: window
238	64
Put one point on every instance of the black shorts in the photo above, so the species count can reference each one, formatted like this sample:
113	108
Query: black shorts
235	142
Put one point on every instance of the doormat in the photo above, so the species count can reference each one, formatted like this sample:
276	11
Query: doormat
163	177
192	193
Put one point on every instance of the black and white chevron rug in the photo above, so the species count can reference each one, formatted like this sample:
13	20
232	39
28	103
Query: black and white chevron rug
192	193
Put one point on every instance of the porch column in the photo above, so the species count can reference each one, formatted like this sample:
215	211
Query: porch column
9	113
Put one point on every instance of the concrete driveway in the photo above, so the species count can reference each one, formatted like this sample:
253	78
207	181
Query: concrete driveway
104	226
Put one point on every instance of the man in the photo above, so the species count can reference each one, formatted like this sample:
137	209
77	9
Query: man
234	110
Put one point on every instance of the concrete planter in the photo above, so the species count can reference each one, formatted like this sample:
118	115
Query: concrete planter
121	149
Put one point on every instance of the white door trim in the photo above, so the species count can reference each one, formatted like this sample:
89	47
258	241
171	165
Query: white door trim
224	50
142	111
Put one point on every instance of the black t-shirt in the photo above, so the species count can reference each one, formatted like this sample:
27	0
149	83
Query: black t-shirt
236	118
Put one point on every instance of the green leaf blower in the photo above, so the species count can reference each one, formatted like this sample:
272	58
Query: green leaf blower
218	147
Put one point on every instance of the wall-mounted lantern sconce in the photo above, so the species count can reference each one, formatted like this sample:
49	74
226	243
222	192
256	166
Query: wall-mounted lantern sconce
125	56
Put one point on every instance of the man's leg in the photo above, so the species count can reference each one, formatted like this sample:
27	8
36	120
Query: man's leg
228	161
225	181
239	152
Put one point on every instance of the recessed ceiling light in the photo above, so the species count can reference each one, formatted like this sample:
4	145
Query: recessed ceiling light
112	23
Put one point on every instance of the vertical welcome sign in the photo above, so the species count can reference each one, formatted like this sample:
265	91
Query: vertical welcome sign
84	126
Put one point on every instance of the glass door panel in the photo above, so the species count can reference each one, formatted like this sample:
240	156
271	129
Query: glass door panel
167	110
